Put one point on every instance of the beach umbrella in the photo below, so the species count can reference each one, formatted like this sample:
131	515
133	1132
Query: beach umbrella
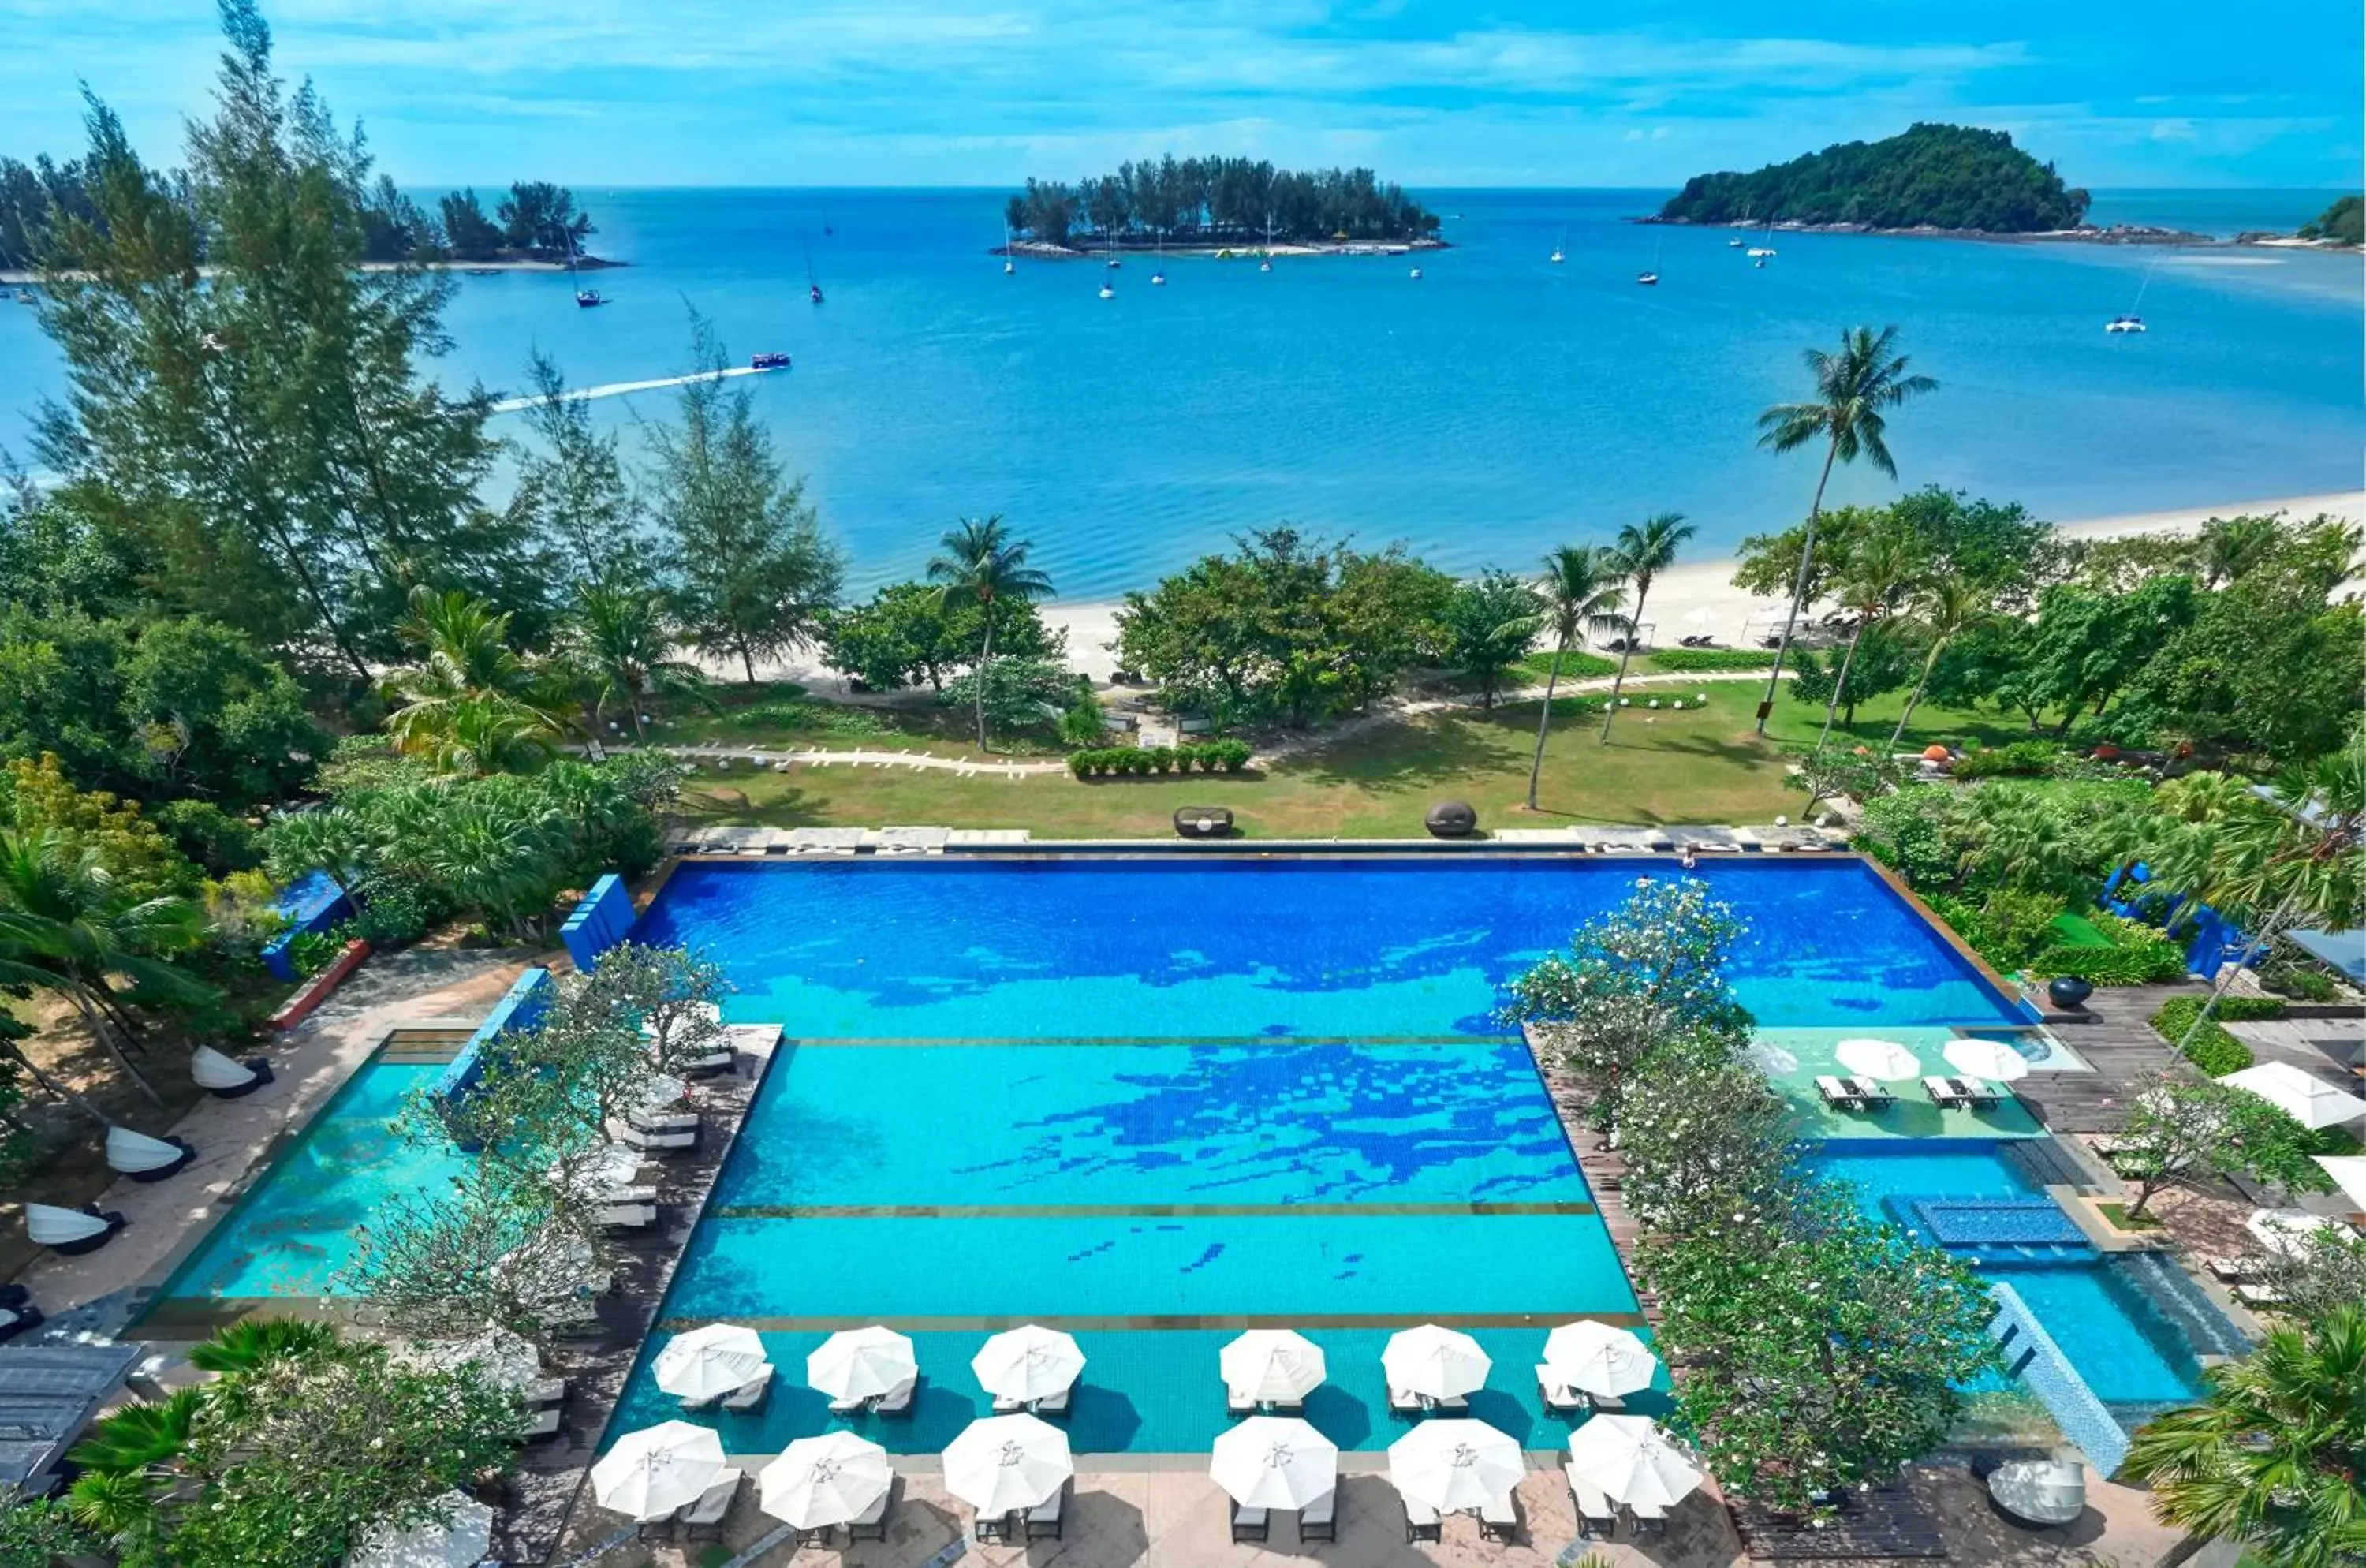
1272	1365
1769	1057
2310	1102
2348	1173
1599	1359
1007	1462
819	1481
1029	1362
1439	1362
1631	1461
1274	1461
651	1472
1885	1059
1453	1465
709	1362
861	1363
1991	1059
508	1361
461	1536
2288	1231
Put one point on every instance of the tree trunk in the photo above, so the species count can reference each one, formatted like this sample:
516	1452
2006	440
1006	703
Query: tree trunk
1929	663
1840	684
1544	720
1634	629
103	1030
748	660
2184	1551
1798	587
54	1086
984	661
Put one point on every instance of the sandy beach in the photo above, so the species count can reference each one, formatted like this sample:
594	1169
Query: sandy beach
1699	597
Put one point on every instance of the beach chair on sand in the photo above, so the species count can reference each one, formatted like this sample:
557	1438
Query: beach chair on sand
1499	1519
1421	1521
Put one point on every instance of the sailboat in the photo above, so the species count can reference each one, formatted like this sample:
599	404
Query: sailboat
1760	253
1650	275
2132	323
585	298
1265	263
812	286
1558	255
1009	264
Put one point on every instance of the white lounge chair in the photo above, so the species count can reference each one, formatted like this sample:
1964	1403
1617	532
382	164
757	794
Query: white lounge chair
632	1137
71	1231
898	1400
143	1159
629	1216
1045	1519
1499	1519
748	1394
546	1425
224	1078
703	1520
1319	1520
1055	1403
1556	1397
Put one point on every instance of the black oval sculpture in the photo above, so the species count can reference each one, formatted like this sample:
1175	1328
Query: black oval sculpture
2068	992
1204	821
1451	819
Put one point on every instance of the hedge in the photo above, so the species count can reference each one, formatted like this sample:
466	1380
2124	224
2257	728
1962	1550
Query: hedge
1209	756
1691	661
2214	1050
1575	665
2137	964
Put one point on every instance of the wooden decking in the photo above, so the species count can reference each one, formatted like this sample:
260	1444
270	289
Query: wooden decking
2114	1039
1890	1522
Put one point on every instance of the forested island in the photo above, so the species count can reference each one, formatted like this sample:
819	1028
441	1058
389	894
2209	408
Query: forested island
2343	223
41	203
1934	176
1203	202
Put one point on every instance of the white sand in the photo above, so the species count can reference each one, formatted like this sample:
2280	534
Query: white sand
1699	597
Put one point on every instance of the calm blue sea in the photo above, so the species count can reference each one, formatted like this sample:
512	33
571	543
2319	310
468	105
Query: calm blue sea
1496	407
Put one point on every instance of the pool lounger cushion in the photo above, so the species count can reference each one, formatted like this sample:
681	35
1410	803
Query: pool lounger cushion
1319	1520
1044	1520
1250	1524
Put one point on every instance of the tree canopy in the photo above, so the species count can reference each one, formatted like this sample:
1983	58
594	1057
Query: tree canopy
2344	222
1205	200
1930	175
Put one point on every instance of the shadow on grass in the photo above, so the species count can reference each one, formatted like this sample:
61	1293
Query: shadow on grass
1437	749
725	804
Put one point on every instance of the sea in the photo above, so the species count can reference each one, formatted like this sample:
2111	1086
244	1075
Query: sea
1495	406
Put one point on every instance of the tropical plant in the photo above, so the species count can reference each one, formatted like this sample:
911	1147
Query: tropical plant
1854	389
2269	1457
1491	623
979	563
470	704
1638	556
2184	1128
1582	592
620	642
2315	1273
1702	1138
1880	570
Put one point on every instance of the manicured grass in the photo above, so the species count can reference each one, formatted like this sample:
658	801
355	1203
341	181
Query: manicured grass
2117	1213
1701	765
781	714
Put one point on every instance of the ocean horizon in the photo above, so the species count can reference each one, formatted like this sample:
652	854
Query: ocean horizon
1497	406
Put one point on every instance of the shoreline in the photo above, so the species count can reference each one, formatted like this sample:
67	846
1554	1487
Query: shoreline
2117	234
1704	588
27	277
1035	250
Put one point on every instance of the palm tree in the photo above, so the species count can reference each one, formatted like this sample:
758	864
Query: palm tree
979	563
1639	555
1877	572
466	670
621	642
1852	388
258	1341
1947	606
494	857
2270	1456
2229	547
1581	592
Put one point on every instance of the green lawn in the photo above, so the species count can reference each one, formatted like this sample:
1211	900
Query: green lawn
1702	765
781	715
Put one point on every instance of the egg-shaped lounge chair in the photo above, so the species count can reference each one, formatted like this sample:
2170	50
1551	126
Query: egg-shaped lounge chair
71	1231
224	1078
143	1159
18	1313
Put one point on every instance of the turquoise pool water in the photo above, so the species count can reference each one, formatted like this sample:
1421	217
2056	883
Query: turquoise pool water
2109	1314
1233	947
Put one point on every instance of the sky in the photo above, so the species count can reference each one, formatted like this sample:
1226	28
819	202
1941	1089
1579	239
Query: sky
2118	93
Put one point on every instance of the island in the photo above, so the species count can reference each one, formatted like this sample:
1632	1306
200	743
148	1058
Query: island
1950	178
2343	223
1215	205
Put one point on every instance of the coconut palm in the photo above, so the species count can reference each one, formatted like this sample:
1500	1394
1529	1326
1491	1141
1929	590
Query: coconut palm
257	1341
620	644
467	673
1877	573
1946	608
1639	555
494	857
2227	547
1581	591
2270	1456
1852	390
979	563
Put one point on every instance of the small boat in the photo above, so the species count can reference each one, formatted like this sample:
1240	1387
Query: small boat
1758	253
814	289
1115	263
1008	265
1417	274
1265	265
1108	292
2130	322
813	284
587	298
484	272
2124	324
1734	243
1558	255
1158	280
1646	278
1760	262
768	361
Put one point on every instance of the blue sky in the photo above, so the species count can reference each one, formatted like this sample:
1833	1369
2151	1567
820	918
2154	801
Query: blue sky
930	91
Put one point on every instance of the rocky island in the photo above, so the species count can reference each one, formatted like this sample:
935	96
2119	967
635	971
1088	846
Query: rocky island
1932	179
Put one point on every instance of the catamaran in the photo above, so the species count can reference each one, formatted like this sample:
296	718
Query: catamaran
2132	323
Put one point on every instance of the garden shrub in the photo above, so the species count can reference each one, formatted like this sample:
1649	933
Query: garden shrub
2020	759
2017	926
1206	756
1692	661
2214	1050
314	950
1575	665
2149	963
2293	972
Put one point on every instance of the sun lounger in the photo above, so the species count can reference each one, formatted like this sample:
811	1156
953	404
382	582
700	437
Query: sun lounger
1250	1524
993	1527
720	1060
1647	1519
1005	1405
750	1395
898	1401
546	1425
657	1531
2258	1295
1319	1520
632	1137
1597	1520
1499	1519
1421	1521
871	1523
2231	1270
1043	1520
663	1121
1404	1402
1238	1405
547	1390
1606	1403
703	1520
629	1216
1835	1092
1942	1091
1055	1403
1454	1404
818	1536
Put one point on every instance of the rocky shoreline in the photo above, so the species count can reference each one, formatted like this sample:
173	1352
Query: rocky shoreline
2088	234
1037	250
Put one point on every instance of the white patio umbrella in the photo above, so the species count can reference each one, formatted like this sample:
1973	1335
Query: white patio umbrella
1884	1059
1272	1365
1455	1464
1769	1057
651	1472
2310	1102
823	1481
1029	1362
1631	1460
2348	1173
1440	1362
2288	1230
1274	1461
508	1361
861	1363
1991	1059
710	1361
1007	1462
1599	1359
461	1537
